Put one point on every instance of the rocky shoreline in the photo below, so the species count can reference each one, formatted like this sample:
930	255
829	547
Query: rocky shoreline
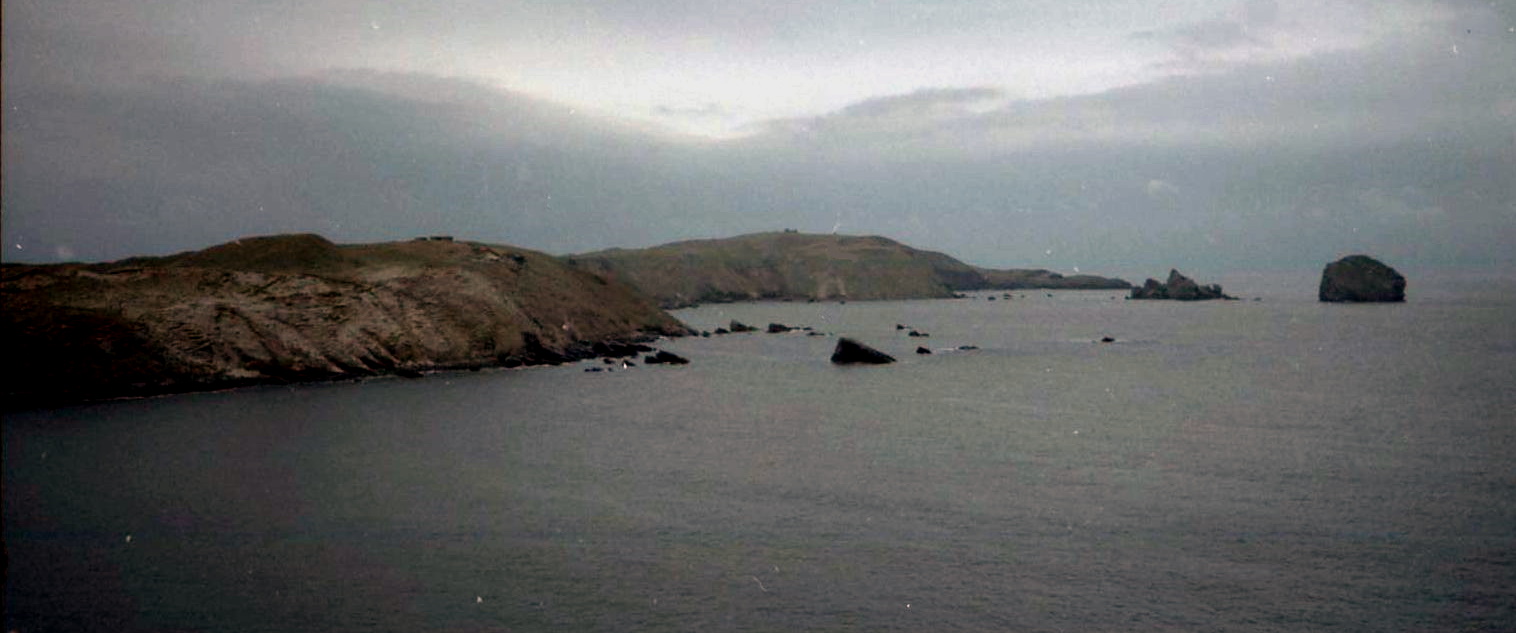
298	308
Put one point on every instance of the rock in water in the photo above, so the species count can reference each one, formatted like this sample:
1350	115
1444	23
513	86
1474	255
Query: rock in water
1179	288
665	358
850	352
1361	278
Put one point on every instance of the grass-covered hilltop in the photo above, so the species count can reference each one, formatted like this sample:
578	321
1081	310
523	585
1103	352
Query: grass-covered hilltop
298	307
790	265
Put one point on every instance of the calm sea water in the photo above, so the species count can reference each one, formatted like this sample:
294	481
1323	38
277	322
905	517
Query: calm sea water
1278	465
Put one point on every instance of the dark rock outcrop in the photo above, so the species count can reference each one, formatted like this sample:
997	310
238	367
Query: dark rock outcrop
738	326
1178	288
851	352
618	349
1360	278
665	358
779	328
923	350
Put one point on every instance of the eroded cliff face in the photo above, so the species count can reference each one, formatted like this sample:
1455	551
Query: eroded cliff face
293	308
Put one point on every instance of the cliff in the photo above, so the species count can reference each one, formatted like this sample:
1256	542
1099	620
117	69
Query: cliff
298	307
790	265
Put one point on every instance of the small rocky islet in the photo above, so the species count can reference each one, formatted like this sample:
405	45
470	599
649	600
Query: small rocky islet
1178	288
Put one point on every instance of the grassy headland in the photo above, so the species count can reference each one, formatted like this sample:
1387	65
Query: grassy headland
799	266
298	307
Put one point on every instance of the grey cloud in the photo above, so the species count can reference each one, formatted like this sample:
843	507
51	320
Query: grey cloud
1397	90
1214	34
112	172
1402	149
928	101
372	157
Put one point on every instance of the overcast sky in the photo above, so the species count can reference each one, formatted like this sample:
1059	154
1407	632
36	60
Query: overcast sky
1117	137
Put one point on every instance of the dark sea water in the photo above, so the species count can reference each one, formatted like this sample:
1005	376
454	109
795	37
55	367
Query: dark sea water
1274	465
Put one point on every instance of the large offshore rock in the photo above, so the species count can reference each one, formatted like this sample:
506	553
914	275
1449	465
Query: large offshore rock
1360	278
851	352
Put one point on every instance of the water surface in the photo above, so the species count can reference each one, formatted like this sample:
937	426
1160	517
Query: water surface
1278	465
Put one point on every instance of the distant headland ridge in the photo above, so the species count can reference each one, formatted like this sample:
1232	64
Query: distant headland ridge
788	265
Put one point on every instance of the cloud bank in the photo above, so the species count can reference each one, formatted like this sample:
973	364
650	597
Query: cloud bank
1237	143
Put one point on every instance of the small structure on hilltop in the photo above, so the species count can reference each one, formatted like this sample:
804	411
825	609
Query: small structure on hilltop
1360	278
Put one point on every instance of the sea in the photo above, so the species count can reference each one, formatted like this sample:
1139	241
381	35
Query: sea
1267	464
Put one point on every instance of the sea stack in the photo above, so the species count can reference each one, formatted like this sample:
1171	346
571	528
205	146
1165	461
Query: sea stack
851	352
1360	278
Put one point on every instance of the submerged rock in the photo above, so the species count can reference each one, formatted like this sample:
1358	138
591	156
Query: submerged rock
1360	278
849	352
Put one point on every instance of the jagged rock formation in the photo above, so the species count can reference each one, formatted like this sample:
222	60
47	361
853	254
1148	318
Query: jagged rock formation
1178	288
851	352
1360	278
799	266
298	307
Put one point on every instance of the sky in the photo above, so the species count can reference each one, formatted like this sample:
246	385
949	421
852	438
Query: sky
1110	137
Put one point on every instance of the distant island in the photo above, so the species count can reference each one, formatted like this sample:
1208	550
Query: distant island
297	308
788	265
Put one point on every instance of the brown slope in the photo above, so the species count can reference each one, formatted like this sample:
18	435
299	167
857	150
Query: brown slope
789	265
298	307
781	265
